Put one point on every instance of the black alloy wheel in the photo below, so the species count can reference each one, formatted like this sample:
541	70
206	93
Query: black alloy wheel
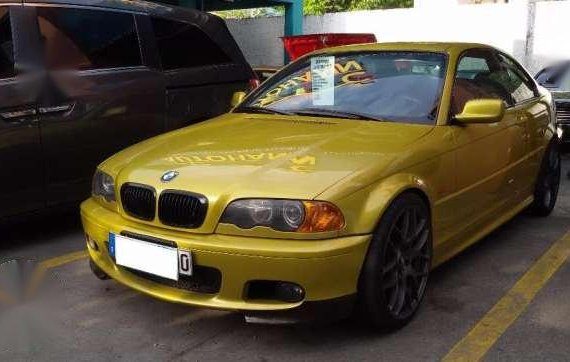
396	270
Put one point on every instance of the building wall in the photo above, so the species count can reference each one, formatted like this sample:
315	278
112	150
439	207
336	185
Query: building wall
502	25
551	33
259	39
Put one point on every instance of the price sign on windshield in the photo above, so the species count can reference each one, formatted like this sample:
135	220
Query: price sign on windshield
322	77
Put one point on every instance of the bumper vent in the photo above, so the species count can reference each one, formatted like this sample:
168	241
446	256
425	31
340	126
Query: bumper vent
563	112
182	209
204	280
139	201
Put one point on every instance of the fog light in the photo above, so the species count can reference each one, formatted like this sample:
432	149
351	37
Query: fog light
91	243
275	290
289	292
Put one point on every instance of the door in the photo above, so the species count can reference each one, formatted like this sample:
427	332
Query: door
490	157
101	97
535	113
22	175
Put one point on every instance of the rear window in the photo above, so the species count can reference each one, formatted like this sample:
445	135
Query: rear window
6	45
183	45
85	39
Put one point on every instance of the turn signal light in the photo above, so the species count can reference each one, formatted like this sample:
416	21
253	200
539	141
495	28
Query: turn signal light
321	216
92	243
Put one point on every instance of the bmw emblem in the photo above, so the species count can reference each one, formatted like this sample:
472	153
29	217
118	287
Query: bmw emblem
169	176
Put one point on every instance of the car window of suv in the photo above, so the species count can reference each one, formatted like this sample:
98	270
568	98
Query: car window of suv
183	45
6	45
517	82
479	75
84	39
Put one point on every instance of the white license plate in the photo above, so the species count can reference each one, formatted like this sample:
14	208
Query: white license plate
162	260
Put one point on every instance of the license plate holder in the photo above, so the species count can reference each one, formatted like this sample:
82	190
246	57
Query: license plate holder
162	258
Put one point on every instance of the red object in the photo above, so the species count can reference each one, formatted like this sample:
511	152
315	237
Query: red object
254	83
298	45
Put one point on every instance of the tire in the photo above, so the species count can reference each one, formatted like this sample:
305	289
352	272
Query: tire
394	276
547	182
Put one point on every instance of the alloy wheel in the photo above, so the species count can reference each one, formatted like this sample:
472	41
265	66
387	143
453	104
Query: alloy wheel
407	262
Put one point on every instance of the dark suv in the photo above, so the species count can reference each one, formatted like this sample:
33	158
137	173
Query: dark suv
82	79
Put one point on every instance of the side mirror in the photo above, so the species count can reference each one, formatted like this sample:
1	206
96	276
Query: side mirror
237	98
482	111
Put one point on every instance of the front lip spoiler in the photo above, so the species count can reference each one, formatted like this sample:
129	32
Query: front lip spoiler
309	312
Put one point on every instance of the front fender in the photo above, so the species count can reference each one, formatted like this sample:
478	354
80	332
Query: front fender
364	208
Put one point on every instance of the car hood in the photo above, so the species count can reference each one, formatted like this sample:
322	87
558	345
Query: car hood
244	155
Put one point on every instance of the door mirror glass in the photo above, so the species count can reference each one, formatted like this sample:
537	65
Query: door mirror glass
482	111
237	98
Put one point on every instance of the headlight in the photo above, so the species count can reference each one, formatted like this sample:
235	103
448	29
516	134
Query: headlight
284	215
104	186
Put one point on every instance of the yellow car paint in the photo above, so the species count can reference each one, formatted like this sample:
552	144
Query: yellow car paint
473	176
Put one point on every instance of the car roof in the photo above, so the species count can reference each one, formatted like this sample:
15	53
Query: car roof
138	6
440	47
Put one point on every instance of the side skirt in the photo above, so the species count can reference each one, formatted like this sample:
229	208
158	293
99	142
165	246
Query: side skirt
440	259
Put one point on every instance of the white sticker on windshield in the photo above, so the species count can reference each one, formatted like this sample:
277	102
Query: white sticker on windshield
322	76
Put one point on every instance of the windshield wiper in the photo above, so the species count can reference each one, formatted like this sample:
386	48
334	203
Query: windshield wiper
252	109
336	114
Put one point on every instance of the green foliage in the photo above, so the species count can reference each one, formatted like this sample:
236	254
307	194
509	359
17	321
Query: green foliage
249	13
319	7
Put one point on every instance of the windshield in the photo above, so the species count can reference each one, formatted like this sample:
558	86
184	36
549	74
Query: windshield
556	77
383	86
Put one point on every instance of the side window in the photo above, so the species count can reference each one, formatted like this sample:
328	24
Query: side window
83	39
6	45
516	82
183	45
479	75
469	67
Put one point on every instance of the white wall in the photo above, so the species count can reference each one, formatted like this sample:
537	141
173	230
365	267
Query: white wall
501	25
259	39
551	32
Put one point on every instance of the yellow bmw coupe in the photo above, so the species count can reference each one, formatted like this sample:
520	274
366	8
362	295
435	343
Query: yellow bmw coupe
335	187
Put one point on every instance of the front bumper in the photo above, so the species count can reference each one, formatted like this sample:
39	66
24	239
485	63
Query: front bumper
325	269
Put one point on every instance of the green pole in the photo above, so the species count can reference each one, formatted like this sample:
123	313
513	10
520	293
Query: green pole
293	20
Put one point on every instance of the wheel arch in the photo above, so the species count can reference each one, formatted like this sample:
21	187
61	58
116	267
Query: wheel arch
374	200
409	190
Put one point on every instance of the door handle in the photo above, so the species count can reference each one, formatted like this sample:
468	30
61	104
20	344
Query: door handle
19	115
55	109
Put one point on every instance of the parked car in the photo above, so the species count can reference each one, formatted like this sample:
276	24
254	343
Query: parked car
299	45
264	72
556	78
357	170
82	79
